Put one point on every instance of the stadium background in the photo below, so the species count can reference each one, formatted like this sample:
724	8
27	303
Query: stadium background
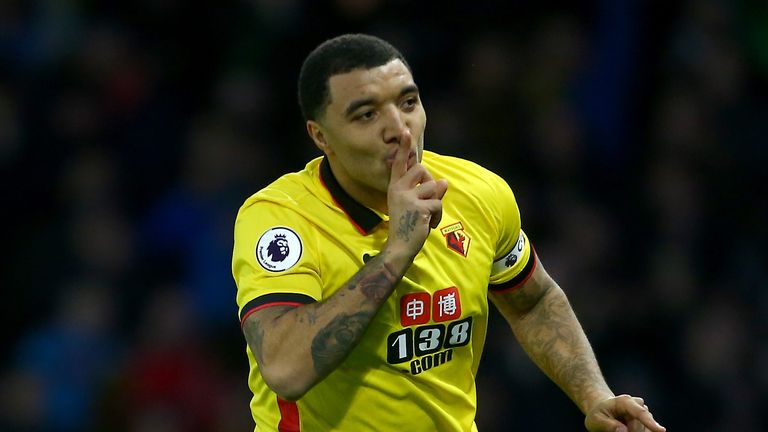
130	132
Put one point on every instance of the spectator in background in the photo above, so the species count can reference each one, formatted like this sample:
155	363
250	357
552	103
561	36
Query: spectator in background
59	368
170	380
100	103
183	233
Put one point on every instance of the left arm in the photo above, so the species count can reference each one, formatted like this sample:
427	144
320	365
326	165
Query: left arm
546	327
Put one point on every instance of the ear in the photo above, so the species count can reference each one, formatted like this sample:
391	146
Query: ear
315	132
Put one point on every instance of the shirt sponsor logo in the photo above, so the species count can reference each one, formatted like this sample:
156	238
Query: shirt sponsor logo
418	308
428	346
446	305
278	249
414	309
423	345
456	238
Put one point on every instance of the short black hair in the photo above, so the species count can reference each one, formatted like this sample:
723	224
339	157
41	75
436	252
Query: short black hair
335	56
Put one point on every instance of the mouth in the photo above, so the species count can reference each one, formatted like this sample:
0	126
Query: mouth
411	158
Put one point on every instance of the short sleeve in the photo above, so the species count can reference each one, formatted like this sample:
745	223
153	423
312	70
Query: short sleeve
274	260
514	258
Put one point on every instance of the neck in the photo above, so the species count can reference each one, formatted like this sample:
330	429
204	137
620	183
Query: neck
367	196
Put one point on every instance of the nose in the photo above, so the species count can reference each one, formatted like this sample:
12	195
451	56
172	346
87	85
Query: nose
394	126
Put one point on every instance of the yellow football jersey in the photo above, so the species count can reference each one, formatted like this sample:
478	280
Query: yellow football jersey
301	238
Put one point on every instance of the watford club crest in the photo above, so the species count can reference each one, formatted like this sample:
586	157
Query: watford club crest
456	238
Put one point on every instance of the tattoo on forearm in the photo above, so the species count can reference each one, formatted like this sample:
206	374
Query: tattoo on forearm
375	280
335	340
407	225
555	341
375	287
332	344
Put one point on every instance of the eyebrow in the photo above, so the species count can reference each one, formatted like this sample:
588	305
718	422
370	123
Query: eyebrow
355	104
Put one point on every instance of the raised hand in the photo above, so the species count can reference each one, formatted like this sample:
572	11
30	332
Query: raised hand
414	200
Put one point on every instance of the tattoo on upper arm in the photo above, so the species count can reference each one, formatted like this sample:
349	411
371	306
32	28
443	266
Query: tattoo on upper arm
311	315
524	299
254	334
254	329
333	343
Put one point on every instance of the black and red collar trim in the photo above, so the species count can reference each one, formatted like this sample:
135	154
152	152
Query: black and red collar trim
364	219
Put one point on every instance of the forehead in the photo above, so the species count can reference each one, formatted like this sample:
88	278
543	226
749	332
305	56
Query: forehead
378	82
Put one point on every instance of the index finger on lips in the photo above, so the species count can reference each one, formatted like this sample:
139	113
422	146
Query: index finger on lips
400	163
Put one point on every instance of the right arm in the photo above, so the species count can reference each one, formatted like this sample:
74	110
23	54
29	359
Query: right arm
296	347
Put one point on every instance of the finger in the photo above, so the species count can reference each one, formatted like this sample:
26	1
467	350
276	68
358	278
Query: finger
631	409
426	175
435	219
432	189
416	174
605	419
649	422
608	425
435	207
426	190
442	188
635	426
400	162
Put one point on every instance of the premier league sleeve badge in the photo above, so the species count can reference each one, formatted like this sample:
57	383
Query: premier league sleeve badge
278	249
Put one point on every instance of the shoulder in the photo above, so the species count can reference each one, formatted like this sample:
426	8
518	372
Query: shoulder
463	173
474	189
277	213
290	191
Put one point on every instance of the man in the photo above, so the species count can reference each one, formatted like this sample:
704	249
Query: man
363	279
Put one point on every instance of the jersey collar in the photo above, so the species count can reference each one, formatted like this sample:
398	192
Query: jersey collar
363	218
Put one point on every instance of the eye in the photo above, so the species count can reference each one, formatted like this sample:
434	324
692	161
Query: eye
365	116
410	103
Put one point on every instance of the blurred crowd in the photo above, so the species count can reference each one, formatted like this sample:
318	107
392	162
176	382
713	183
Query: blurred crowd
130	133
